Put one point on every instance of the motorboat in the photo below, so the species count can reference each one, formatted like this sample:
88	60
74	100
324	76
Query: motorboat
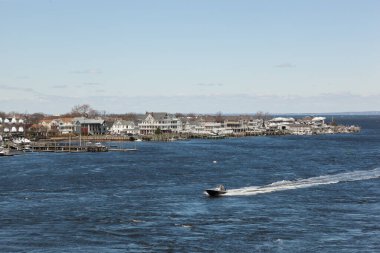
217	191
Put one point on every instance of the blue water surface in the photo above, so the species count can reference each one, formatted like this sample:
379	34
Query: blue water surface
153	200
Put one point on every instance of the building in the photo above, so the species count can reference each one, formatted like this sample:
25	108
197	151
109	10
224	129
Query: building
89	126
236	125
300	129
280	123
65	125
124	127
165	122
11	127
318	121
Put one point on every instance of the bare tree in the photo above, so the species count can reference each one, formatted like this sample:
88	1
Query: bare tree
191	115
3	115
262	115
35	117
219	118
84	110
130	116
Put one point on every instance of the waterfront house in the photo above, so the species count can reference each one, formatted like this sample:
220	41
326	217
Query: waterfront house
299	129
193	126
318	121
280	123
89	126
212	127
255	124
65	125
12	127
167	123
37	131
124	127
238	124
48	123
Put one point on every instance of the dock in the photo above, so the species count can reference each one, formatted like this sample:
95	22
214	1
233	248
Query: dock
122	149
57	147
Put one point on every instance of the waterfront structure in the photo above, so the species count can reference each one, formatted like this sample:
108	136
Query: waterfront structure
318	121
194	127
155	123
89	126
236	125
124	127
299	129
65	125
166	123
49	123
280	123
254	124
12	127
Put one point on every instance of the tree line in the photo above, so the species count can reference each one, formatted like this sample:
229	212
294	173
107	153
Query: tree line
87	111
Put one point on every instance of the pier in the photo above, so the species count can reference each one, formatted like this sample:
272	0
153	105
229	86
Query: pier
59	147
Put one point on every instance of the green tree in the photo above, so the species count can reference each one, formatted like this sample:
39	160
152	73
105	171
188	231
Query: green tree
158	131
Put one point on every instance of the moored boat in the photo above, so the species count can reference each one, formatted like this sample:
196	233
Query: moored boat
5	152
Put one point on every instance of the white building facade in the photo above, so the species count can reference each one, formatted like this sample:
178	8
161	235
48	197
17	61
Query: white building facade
124	127
165	122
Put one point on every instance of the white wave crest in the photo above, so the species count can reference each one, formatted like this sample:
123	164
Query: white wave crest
304	183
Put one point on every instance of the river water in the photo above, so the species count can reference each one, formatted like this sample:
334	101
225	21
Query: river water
287	194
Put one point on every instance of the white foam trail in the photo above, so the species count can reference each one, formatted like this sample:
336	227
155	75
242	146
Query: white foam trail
304	183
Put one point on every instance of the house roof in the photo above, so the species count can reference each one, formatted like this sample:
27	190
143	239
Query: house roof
124	122
89	121
67	119
158	115
318	118
280	119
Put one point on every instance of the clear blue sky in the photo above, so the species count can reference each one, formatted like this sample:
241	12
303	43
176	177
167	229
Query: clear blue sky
190	56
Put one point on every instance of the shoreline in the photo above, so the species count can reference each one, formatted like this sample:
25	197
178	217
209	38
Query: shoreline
167	137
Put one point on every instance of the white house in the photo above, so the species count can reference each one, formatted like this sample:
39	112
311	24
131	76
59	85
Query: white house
165	122
318	121
300	129
280	123
65	125
194	126
124	127
255	124
236	125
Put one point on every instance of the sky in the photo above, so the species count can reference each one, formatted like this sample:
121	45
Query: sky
199	56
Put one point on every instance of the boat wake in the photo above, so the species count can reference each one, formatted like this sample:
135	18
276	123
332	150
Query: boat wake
304	183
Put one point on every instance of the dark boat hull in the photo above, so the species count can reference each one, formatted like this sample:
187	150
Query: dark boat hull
215	193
